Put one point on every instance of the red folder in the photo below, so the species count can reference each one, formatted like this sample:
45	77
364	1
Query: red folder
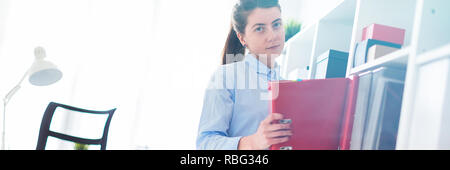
321	112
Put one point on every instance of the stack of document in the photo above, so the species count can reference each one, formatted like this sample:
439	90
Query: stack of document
377	41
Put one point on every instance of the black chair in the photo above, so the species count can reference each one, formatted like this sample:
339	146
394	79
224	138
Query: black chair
45	132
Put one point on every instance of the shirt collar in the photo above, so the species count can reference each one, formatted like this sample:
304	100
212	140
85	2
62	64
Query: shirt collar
260	67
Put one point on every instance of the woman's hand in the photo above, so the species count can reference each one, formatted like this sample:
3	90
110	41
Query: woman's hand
268	134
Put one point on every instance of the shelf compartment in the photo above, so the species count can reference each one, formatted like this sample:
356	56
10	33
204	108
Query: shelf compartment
434	25
398	13
334	32
297	54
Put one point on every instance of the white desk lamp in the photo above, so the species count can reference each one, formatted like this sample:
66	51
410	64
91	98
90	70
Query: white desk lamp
41	73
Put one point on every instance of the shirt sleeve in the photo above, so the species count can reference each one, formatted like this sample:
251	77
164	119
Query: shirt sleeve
216	116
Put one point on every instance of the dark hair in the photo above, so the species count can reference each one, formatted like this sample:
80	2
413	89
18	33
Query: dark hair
241	11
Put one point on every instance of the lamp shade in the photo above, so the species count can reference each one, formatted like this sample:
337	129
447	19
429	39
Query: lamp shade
43	73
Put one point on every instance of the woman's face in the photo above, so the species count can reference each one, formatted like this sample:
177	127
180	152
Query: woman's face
264	33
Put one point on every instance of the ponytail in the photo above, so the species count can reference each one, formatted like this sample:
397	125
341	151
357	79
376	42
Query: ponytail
233	50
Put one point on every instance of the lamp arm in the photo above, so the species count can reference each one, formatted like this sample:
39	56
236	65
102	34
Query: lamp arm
5	102
3	147
14	90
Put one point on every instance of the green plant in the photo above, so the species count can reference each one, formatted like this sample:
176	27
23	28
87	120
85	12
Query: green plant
291	28
79	146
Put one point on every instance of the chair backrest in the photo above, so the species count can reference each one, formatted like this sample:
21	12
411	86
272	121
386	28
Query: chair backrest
45	131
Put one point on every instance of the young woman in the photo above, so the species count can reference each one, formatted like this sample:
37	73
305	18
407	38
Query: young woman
235	113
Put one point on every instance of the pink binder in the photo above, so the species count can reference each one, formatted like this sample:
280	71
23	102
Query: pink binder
318	109
384	33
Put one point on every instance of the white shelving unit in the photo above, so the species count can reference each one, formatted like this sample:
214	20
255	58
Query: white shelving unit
301	50
425	55
425	117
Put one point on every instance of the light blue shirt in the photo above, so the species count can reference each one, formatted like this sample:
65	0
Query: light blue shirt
235	103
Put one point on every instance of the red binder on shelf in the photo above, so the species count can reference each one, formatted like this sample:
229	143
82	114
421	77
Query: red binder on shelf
320	112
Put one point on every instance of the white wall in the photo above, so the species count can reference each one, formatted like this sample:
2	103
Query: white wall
3	12
114	59
288	8
152	59
307	11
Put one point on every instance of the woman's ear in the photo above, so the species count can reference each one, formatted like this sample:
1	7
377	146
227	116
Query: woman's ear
241	39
